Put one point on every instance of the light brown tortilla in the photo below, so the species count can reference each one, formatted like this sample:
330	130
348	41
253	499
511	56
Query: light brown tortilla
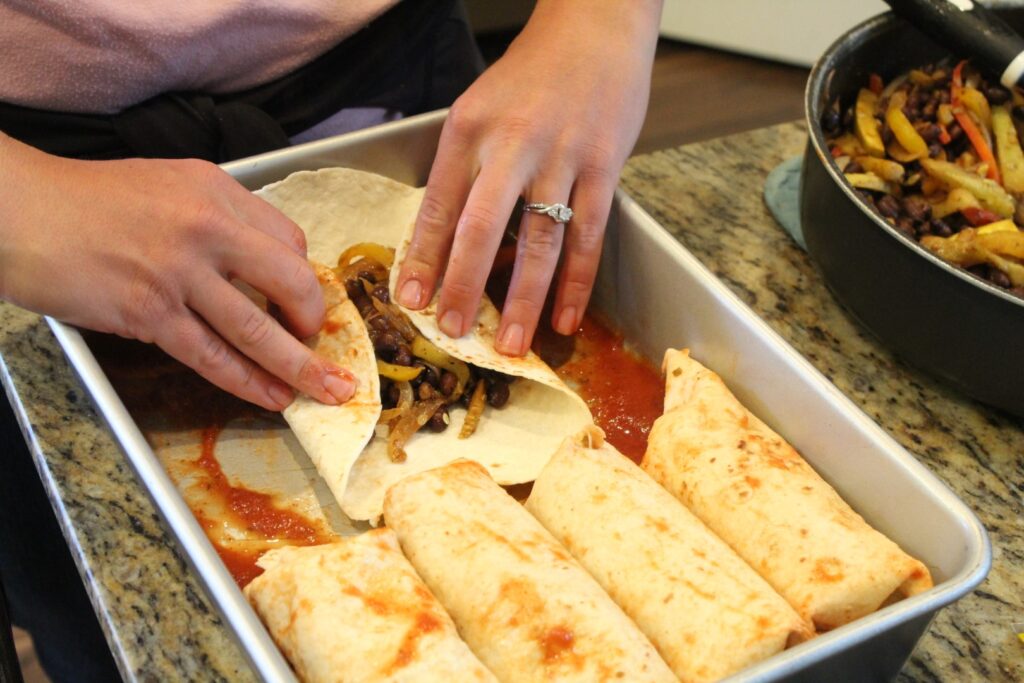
327	431
524	606
340	207
756	492
356	612
708	613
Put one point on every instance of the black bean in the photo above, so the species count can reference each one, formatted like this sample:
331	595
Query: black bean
955	131
440	420
448	382
999	278
853	167
917	207
929	131
497	394
848	118
941	227
394	394
906	226
888	206
922	228
380	292
943	97
831	121
403	356
996	95
377	322
929	109
389	342
887	135
934	150
428	375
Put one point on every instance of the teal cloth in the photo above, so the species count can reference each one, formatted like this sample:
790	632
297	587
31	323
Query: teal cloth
782	195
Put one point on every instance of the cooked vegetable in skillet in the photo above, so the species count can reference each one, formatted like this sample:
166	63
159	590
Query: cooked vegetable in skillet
937	153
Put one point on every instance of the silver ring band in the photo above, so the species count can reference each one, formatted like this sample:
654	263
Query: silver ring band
559	213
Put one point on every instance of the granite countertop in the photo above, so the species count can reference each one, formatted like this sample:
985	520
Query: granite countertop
162	626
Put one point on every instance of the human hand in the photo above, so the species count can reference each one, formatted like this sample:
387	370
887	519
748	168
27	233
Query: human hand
147	249
552	121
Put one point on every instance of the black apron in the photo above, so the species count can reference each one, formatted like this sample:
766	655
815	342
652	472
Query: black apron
416	57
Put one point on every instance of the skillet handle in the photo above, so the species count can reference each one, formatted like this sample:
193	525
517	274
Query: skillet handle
965	26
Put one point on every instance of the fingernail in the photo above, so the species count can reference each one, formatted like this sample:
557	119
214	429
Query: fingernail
511	341
451	323
341	388
281	395
566	321
410	294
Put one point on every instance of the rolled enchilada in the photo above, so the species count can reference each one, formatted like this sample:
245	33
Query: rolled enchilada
707	612
523	605
756	493
355	611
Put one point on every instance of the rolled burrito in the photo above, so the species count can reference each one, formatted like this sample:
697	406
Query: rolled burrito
355	611
524	606
756	492
707	612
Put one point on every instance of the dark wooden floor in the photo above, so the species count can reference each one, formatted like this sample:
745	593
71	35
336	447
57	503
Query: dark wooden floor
698	93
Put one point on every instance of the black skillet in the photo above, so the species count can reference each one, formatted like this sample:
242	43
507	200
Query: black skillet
934	315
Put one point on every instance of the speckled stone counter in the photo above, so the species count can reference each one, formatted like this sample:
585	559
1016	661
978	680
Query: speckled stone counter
162	627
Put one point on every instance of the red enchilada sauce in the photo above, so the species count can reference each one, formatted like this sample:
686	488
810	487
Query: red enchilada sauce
624	393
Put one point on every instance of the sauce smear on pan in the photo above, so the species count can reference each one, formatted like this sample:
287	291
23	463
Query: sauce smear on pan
624	391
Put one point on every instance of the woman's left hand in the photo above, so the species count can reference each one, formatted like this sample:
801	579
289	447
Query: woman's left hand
552	121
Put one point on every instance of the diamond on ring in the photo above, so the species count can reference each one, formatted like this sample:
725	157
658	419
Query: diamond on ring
559	213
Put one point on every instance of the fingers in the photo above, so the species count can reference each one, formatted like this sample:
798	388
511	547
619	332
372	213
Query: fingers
537	252
591	201
446	192
185	337
284	277
261	215
475	243
261	340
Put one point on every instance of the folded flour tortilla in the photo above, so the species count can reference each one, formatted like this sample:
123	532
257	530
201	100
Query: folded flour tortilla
708	613
756	492
524	606
356	611
339	207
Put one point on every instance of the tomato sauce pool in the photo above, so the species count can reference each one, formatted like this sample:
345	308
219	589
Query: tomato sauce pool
624	391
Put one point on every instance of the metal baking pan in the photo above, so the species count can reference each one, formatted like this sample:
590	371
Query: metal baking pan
660	296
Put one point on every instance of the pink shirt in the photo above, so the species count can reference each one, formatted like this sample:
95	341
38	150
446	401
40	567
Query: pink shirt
101	56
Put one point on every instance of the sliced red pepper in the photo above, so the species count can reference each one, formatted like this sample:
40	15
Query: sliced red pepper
977	216
875	84
944	136
836	152
978	140
956	83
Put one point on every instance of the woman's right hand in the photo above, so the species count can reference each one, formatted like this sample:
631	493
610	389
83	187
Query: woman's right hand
147	249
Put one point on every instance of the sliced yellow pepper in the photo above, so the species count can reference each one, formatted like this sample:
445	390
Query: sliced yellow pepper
869	181
902	128
865	123
375	252
975	102
999	226
398	373
883	168
1008	150
425	349
988	192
